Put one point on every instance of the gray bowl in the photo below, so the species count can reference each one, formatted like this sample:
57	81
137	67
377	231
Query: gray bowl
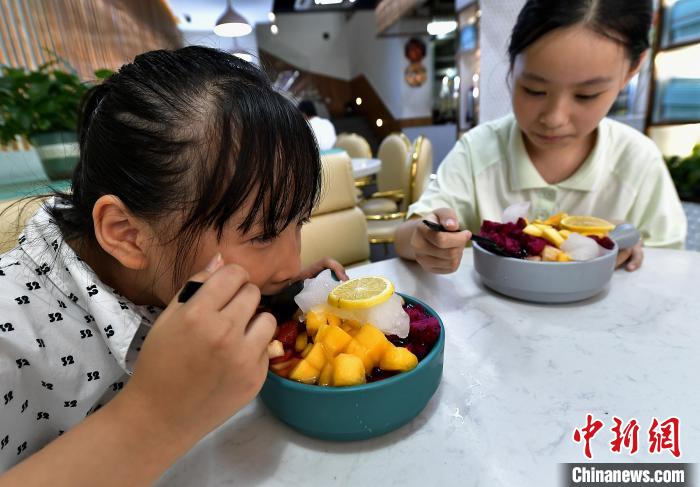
551	282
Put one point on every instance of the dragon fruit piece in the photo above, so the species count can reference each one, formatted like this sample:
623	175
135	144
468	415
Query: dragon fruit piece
426	331
490	226
534	245
521	223
415	312
604	242
512	245
419	349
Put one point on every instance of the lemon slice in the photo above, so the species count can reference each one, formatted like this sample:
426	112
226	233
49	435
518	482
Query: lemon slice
363	292
587	225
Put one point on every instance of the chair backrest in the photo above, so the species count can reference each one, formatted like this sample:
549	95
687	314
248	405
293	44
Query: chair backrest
394	153
354	144
421	167
337	227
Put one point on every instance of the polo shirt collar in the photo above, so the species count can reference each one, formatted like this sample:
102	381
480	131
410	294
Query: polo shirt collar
523	174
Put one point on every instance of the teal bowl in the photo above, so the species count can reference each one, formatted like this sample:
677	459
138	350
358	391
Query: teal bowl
357	412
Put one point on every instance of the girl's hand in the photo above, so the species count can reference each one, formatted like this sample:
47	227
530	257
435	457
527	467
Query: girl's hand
203	360
439	252
631	258
320	266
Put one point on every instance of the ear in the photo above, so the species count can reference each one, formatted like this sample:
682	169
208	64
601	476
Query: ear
121	234
634	69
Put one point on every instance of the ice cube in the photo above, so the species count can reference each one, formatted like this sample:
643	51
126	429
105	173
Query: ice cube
315	292
515	211
580	248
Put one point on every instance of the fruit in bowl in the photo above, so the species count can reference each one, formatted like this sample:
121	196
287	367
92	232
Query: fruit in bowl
559	238
335	345
338	375
566	258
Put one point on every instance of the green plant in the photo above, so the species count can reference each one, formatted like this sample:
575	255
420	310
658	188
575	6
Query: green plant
40	101
685	172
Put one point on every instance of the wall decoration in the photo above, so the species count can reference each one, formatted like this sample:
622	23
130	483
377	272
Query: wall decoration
415	74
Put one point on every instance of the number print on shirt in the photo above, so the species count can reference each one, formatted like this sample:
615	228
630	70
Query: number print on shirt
8	397
22	362
42	269
55	317
21	448
95	375
117	386
92	290
70	404
22	300
25	405
21	239
4	327
85	334
61	304
73	297
42	415
67	360
123	305
2	273
48	385
109	331
4	442
54	244
89	318
32	285
41	343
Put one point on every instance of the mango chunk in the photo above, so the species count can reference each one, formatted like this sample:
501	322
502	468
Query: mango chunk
565	233
304	372
301	342
317	356
374	341
399	359
555	220
314	321
326	377
335	340
354	348
550	254
348	370
552	236
533	230
563	257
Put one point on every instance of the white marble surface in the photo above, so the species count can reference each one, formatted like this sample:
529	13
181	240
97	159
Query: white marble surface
518	379
362	167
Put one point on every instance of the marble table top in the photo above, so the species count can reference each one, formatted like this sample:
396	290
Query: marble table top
362	167
518	379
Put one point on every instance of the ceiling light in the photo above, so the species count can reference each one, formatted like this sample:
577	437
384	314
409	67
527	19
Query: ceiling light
358	101
232	24
274	29
441	27
327	2
271	16
380	122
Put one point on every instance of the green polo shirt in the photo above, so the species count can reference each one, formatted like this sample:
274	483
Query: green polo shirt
624	178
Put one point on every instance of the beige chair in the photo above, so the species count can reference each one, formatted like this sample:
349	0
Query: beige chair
355	145
392	178
381	227
337	228
13	216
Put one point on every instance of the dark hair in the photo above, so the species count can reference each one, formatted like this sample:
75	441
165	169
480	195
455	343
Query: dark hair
625	21
196	132
308	108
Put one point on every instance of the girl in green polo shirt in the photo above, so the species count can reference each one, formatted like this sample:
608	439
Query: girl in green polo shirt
569	60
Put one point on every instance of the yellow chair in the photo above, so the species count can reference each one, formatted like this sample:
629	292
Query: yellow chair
337	227
13	216
355	145
392	178
381	227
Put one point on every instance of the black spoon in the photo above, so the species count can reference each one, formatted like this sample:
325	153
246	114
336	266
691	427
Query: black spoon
486	243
